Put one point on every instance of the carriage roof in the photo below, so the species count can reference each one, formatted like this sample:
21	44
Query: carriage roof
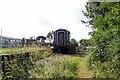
62	30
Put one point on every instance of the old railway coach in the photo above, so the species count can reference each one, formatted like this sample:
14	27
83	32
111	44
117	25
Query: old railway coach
62	43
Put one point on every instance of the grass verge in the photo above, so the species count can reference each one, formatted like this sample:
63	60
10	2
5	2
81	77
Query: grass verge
56	66
83	70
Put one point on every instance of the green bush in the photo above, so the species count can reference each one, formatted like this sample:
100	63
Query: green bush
16	66
104	19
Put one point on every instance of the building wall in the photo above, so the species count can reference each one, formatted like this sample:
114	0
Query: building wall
9	42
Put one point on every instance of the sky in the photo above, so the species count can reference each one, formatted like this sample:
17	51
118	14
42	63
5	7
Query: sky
27	18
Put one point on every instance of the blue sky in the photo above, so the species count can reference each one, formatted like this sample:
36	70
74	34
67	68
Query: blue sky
26	18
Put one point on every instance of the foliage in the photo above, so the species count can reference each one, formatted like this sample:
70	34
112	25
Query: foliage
56	66
42	63
20	64
74	42
83	70
16	66
16	50
50	36
84	43
104	18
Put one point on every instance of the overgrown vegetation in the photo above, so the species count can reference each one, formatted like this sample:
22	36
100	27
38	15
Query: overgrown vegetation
84	44
104	19
74	42
56	66
15	50
42	63
17	64
83	70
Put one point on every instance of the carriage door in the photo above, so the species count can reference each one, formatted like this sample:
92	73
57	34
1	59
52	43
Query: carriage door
61	38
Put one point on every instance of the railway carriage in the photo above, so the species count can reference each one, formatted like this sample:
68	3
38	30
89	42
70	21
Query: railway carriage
62	43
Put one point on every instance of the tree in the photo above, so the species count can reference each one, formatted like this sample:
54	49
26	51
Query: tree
50	36
104	18
84	43
74	42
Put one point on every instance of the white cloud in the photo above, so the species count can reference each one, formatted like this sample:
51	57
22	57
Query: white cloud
25	18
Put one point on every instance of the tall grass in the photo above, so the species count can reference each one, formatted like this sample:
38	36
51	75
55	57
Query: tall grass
36	53
56	67
83	70
50	65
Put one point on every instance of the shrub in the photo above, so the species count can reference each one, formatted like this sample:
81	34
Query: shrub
105	53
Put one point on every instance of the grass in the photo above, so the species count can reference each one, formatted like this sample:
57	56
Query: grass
55	67
83	70
61	65
33	48
0	77
49	65
36	53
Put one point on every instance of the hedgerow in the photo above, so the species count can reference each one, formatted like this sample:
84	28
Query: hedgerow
17	66
104	19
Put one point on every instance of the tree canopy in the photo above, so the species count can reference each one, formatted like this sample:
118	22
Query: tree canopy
104	19
74	42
